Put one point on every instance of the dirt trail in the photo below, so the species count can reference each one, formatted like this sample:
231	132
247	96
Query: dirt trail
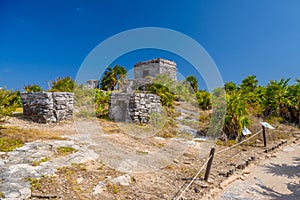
275	178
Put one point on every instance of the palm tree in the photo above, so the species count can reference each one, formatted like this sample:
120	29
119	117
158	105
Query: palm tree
112	76
237	116
278	99
294	95
249	84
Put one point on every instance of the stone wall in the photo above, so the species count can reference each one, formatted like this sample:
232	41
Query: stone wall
134	107
154	67
48	107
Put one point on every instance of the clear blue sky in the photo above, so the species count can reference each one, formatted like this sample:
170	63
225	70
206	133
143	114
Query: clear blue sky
43	40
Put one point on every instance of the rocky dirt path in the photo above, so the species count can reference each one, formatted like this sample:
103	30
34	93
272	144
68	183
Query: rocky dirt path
276	178
87	174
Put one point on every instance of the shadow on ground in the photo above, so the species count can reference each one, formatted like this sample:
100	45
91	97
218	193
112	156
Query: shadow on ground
289	171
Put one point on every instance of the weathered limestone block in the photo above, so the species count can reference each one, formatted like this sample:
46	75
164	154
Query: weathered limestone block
47	107
133	107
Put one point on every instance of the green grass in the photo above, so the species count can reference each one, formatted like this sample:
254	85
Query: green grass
38	162
79	166
63	151
34	183
9	144
228	143
2	195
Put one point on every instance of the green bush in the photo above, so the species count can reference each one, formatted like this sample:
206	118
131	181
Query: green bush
166	96
9	144
203	98
66	84
101	102
9	101
33	88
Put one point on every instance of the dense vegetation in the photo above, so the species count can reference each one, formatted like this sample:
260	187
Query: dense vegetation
9	101
278	101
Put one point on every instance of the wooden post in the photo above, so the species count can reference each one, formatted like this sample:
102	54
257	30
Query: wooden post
208	167
264	136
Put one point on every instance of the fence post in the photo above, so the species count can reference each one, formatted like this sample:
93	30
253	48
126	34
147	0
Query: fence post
264	136
208	167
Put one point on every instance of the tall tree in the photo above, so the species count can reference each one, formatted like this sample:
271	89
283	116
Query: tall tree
278	101
111	77
230	87
237	116
192	80
249	84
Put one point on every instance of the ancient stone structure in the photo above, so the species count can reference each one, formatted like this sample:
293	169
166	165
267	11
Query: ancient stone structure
133	107
47	107
154	67
136	107
92	84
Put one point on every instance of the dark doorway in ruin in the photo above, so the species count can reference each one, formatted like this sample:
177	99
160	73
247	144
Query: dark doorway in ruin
121	111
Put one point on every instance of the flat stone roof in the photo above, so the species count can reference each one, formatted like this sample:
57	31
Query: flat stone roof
156	60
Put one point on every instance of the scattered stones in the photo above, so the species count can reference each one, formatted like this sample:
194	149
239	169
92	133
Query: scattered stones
187	162
123	180
247	171
258	141
196	190
18	165
79	180
176	161
100	187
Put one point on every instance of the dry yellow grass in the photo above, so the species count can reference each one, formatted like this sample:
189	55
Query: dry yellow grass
28	135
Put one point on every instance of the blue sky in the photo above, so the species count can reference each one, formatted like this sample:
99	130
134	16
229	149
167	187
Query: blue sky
43	40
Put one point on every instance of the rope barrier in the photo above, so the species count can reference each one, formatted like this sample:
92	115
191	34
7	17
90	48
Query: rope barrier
284	131
228	148
221	151
194	178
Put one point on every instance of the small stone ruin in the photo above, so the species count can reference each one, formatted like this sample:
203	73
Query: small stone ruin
129	106
48	107
133	107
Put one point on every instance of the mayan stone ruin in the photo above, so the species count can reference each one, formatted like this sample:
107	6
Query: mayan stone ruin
129	106
135	108
48	107
153	67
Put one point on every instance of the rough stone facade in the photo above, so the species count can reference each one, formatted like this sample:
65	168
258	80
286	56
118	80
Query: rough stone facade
48	107
93	83
154	67
133	107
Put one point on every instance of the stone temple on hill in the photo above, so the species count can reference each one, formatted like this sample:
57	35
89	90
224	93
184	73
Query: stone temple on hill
154	67
151	68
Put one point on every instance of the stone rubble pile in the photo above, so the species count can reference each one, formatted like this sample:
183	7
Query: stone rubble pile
48	107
